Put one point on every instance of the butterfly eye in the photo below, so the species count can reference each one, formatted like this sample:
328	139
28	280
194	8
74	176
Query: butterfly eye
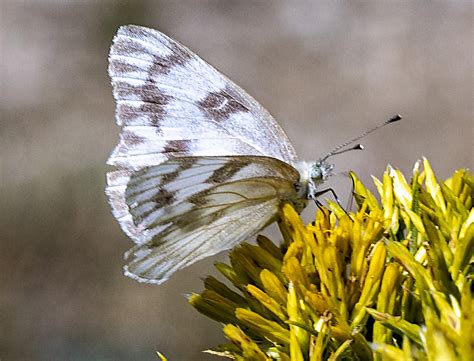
316	172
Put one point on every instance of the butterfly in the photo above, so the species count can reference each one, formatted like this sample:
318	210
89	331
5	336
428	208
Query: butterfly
200	165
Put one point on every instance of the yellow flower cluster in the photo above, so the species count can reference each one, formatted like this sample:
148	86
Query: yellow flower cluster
389	282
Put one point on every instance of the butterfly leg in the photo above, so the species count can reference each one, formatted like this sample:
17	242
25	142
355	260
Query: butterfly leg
319	204
327	190
324	191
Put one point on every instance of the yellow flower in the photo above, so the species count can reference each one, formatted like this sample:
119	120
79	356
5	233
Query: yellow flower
389	281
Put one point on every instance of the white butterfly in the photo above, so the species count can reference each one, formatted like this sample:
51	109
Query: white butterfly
201	166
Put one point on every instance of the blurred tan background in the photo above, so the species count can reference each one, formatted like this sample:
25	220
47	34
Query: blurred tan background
326	70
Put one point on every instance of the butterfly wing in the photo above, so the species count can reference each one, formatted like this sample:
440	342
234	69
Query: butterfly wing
171	103
194	207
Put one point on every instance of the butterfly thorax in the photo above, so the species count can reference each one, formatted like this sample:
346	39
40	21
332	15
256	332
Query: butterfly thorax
312	175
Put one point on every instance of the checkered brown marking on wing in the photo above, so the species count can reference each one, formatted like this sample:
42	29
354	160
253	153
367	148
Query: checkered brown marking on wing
150	110
163	64
176	146
131	139
227	171
220	105
184	164
164	197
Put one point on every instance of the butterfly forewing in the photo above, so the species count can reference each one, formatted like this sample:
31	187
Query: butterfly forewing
171	103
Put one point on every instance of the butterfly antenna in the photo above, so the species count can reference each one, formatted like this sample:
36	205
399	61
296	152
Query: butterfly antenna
338	150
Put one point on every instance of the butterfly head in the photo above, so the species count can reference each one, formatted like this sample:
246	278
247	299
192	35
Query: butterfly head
312	175
320	171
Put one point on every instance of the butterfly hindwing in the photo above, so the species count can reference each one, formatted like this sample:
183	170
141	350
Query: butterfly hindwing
155	262
192	208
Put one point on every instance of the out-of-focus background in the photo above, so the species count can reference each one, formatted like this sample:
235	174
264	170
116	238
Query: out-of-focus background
327	70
